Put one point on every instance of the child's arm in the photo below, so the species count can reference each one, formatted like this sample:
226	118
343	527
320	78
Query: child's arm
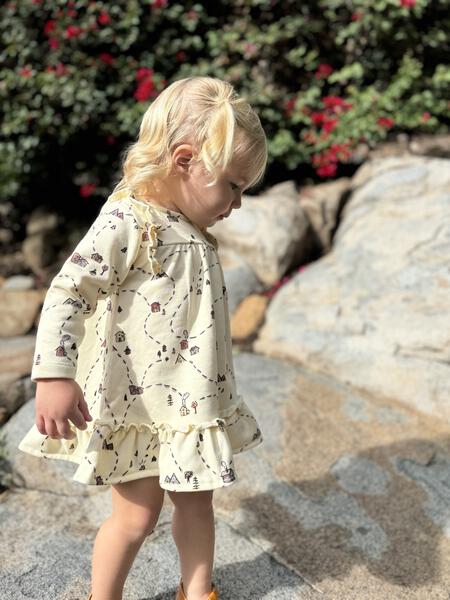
98	264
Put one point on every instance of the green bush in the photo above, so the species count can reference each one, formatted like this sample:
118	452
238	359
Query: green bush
77	76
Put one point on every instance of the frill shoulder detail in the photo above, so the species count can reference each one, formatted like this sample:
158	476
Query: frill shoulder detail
149	228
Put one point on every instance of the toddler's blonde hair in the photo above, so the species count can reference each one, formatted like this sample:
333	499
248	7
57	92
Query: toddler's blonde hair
206	112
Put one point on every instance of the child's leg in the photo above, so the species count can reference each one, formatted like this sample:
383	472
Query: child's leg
193	532
136	508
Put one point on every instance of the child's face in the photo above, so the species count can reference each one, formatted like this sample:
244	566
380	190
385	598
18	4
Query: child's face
204	205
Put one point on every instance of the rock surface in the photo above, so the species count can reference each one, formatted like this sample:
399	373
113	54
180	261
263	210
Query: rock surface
374	312
346	499
270	232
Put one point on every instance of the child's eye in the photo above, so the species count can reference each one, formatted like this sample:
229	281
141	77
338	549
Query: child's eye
234	186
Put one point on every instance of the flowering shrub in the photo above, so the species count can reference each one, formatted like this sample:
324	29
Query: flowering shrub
77	76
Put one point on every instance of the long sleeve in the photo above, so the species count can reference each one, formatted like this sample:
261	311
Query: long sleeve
98	264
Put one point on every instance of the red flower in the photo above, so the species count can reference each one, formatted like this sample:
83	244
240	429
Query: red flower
158	4
145	90
191	15
53	43
110	140
103	18
408	3
289	106
143	73
326	162
309	136
329	125
385	122
49	26
425	117
107	58
323	71
341	151
356	16
318	117
181	55
73	31
25	71
335	103
87	189
72	13
327	170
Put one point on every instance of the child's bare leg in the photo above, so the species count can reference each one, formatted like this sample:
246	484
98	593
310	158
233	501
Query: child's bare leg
136	508
194	535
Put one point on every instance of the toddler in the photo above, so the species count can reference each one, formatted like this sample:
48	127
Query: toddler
133	361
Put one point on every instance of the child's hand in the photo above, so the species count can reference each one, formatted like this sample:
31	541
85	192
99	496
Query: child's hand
57	400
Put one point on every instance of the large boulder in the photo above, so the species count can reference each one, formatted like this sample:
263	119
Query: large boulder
375	311
271	232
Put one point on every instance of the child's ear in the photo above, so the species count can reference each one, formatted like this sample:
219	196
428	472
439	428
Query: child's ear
181	158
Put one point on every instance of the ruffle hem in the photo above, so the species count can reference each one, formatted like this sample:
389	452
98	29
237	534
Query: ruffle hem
186	457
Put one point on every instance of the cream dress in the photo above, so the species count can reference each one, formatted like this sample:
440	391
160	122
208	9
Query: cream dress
138	316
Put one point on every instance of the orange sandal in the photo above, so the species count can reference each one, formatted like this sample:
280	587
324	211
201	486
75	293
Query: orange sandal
181	596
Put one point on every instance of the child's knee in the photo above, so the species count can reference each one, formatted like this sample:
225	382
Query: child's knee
192	501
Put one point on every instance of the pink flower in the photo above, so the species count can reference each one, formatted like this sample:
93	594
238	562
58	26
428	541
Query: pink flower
425	117
25	71
87	189
408	3
53	43
356	16
250	49
61	69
